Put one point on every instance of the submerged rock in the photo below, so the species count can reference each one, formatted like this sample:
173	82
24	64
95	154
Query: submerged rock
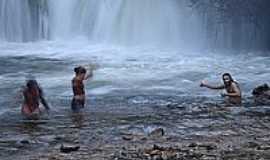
128	137
69	148
25	141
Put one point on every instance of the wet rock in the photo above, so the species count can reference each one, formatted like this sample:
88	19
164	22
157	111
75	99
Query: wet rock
25	141
58	138
206	146
172	105
252	145
133	136
264	147
143	138
161	153
262	94
159	132
262	90
69	148
128	137
193	145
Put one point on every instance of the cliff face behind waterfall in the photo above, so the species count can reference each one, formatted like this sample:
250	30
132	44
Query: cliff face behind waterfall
199	24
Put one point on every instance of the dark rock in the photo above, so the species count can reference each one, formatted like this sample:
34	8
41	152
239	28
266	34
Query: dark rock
156	147
25	141
208	146
264	147
193	145
58	138
143	139
162	153
68	149
128	138
261	90
262	94
172	105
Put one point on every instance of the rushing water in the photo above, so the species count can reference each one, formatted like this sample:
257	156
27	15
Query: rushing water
149	65
122	70
133	91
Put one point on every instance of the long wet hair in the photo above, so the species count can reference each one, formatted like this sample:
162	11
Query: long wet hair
33	88
79	70
232	80
229	75
31	84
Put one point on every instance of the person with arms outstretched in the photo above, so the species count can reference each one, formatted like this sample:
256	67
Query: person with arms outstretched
233	91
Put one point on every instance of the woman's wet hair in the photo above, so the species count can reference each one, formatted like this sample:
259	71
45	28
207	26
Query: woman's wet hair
31	83
80	70
229	75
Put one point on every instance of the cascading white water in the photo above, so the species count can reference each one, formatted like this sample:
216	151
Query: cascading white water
149	67
127	22
23	20
14	19
137	22
61	18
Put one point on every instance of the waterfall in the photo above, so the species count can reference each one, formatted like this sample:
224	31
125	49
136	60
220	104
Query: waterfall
127	22
61	18
132	22
23	20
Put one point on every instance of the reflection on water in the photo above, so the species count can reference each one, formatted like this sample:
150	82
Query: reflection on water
78	119
31	126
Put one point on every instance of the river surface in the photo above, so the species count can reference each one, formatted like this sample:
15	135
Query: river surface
134	90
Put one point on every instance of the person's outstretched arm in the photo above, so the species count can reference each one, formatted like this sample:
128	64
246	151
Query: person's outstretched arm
43	100
89	74
204	84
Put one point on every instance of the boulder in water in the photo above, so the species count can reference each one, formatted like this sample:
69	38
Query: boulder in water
262	90
261	93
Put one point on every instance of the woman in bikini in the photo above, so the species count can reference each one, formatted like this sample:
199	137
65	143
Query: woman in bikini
78	100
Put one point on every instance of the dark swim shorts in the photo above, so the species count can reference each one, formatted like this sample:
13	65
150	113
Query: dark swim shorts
76	104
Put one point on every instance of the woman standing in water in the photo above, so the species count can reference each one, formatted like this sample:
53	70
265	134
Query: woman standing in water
232	88
33	95
78	100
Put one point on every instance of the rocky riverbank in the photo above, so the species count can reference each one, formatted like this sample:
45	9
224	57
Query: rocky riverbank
167	128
